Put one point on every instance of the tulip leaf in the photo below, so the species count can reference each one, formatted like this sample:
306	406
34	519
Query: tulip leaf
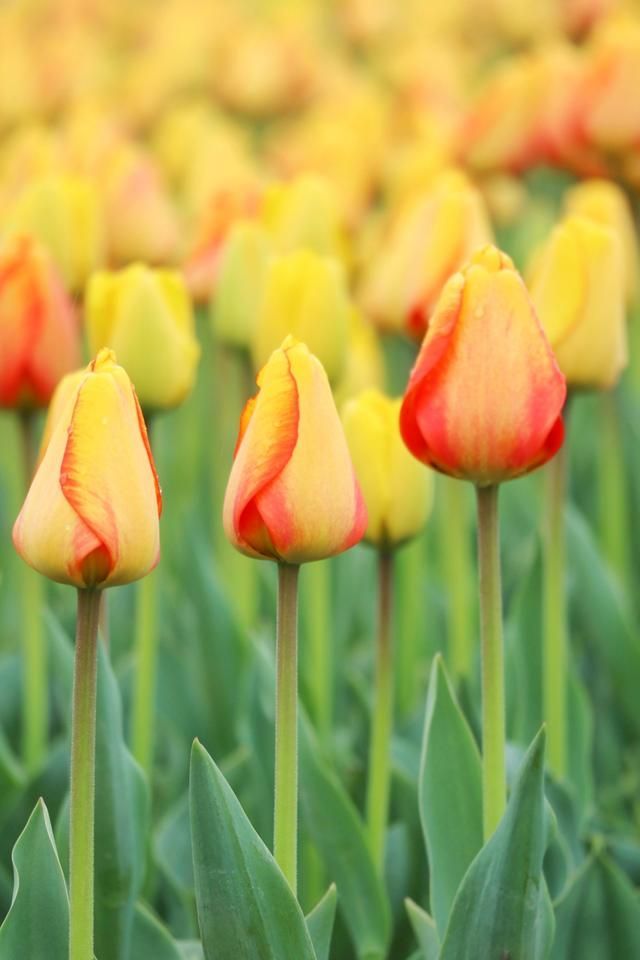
425	931
190	950
320	923
245	906
12	777
450	794
502	910
37	924
337	832
150	940
598	916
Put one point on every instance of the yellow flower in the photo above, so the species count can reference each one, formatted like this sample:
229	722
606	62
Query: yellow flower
397	489
306	296
236	302
304	213
145	315
90	518
364	366
605	202
63	212
577	286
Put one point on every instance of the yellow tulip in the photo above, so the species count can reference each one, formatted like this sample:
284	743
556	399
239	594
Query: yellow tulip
577	287
306	296
63	212
90	518
236	302
606	203
364	365
292	494
397	488
304	213
145	315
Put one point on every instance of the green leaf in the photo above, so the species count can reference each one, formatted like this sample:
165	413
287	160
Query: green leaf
336	830
12	777
424	929
37	925
502	909
598	917
190	950
245	906
450	794
150	940
320	923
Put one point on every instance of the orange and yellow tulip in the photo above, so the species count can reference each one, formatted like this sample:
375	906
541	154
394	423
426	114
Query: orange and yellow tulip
292	495
485	396
38	326
90	518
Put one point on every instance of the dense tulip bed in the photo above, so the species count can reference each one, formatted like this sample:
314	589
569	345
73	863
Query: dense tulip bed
319	480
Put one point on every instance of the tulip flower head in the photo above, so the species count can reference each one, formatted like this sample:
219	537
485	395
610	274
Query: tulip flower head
145	315
577	286
485	396
236	303
90	518
397	490
38	326
305	295
292	495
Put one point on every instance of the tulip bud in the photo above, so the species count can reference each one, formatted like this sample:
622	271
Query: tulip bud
364	367
38	326
431	239
304	213
397	490
577	287
145	315
292	494
306	296
90	518
236	303
63	213
609	101
485	395
607	204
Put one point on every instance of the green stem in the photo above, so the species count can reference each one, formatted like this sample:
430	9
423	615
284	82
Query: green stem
411	646
146	646
83	748
35	697
613	501
494	789
382	716
555	638
317	594
285	833
455	544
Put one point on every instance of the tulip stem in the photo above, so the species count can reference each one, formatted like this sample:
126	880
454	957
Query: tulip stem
612	493
555	639
318	594
146	644
382	716
34	665
83	748
494	789
455	543
410	625
285	833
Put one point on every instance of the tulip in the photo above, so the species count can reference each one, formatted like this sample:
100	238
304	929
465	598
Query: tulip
63	213
236	303
304	213
292	494
430	239
607	204
609	104
38	326
145	316
306	296
364	366
485	395
90	518
577	286
397	490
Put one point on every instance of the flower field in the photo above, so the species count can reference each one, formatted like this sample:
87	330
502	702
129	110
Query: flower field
319	480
